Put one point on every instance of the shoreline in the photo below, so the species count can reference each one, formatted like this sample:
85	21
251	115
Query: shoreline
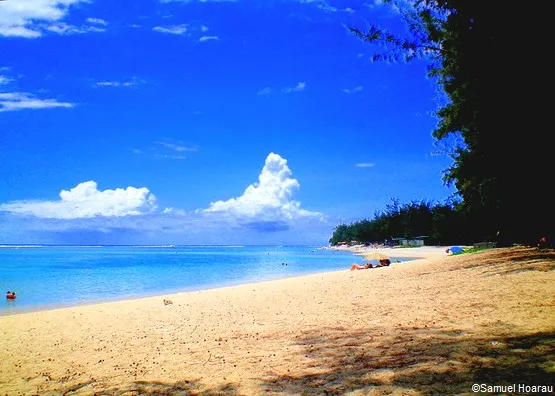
421	252
356	251
31	310
427	326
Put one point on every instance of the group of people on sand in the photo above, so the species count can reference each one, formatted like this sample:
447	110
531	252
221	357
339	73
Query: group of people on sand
382	263
10	295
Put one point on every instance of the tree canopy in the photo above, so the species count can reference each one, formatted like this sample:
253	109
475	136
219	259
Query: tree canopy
441	224
502	170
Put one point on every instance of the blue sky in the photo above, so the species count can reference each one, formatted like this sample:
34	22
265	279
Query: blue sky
205	122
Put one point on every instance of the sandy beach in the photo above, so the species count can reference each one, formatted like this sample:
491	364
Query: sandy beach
435	325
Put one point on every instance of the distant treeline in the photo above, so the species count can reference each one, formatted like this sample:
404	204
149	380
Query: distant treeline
442	224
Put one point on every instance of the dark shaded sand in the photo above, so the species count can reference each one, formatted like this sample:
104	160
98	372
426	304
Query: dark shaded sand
430	326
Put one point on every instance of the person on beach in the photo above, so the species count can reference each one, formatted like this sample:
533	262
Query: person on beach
543	244
360	267
384	263
10	295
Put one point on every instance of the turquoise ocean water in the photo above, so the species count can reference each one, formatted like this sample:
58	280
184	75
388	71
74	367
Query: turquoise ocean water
45	277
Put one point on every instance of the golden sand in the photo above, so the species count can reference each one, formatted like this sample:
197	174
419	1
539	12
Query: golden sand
430	326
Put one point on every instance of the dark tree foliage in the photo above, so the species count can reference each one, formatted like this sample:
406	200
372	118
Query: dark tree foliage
478	54
442	224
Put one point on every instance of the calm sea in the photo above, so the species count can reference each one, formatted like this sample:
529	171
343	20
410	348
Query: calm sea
55	276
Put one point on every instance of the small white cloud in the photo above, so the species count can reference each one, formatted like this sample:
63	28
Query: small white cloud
5	80
18	31
176	29
208	38
320	4
198	1
64	28
97	21
393	7
204	28
354	90
13	101
129	83
167	149
265	91
93	29
86	201
365	165
301	86
266	205
174	211
327	8
170	156
177	147
108	84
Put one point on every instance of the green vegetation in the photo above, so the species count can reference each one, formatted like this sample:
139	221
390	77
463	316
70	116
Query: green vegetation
492	125
442	224
472	250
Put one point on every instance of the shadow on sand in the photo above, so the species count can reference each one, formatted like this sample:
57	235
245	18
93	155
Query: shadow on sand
409	361
518	259
417	361
136	388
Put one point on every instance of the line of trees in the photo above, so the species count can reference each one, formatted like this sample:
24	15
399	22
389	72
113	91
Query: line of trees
480	54
442	224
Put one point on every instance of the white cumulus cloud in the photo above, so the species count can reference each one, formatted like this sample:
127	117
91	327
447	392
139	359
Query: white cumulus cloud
266	205
86	201
25	18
